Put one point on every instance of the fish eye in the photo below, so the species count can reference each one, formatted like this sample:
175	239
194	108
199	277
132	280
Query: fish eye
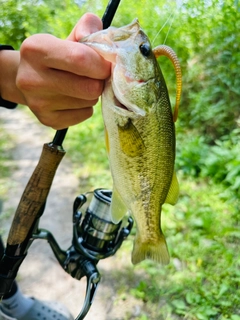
145	49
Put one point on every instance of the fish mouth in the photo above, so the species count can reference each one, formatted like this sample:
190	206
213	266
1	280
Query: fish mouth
121	102
118	104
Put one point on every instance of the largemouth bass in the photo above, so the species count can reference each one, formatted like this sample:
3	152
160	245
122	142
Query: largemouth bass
140	134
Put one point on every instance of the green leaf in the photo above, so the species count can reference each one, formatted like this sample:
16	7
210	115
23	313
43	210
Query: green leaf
179	304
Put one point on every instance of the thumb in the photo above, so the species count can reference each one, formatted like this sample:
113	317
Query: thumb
89	23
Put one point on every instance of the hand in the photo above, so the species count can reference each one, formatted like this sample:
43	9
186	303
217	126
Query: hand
60	80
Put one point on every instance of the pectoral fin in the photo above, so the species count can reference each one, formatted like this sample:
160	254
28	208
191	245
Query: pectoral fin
131	142
118	207
173	192
107	140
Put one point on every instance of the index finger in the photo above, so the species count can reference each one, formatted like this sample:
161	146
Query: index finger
64	55
76	58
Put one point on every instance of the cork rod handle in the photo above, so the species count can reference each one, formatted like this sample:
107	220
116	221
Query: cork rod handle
35	193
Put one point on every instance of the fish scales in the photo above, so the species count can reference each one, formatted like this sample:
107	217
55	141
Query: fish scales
140	136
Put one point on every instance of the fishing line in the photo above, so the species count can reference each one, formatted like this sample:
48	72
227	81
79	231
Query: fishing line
179	4
163	27
173	15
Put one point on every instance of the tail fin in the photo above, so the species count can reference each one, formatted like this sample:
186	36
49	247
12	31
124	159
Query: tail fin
155	251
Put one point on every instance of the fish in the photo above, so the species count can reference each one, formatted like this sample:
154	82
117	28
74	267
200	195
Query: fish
139	133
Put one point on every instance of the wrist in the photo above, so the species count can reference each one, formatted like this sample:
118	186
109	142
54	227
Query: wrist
9	62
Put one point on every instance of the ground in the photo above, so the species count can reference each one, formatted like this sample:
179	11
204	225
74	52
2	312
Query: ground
40	274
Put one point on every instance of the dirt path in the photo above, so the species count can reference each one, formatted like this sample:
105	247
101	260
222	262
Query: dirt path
40	275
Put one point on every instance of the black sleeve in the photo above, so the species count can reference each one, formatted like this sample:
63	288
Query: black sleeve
5	103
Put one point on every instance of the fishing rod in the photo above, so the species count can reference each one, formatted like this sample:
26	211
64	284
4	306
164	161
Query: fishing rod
95	237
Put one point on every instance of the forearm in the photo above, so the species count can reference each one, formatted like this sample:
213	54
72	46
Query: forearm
9	62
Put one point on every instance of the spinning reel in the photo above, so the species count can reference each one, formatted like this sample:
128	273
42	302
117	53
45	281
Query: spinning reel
95	237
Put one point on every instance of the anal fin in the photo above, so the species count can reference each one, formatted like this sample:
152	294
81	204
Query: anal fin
118	207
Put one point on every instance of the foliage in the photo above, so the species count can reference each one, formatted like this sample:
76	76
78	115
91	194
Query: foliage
203	231
223	162
212	80
6	145
19	19
219	162
86	146
6	153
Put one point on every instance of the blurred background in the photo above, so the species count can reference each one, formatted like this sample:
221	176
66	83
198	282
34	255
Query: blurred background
203	229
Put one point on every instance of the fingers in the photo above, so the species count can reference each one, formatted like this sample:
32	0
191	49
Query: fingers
70	85
47	51
44	107
65	118
44	84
